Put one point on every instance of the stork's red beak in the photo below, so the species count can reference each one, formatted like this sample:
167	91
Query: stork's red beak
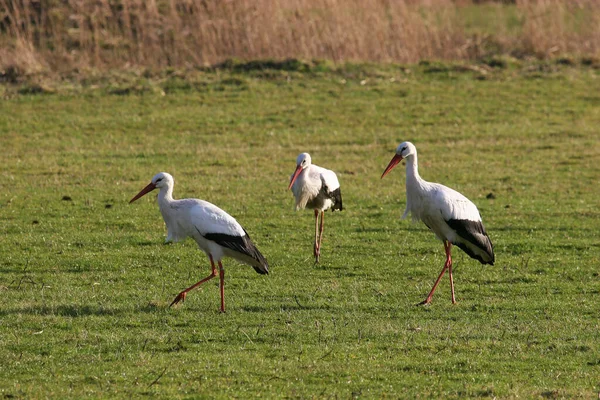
151	186
295	176
394	161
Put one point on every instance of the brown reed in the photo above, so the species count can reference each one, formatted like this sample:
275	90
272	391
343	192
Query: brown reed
66	35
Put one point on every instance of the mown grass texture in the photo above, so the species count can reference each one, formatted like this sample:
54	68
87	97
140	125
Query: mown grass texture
86	279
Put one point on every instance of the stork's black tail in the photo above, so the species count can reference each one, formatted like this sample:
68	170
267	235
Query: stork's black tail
336	196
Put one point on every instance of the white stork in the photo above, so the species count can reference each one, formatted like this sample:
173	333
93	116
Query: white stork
217	233
318	189
450	215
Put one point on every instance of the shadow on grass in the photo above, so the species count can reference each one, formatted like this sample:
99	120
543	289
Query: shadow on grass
299	305
538	229
511	281
154	307
64	311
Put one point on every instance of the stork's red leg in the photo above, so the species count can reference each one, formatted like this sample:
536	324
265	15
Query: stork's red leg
448	247
320	235
222	285
181	296
316	245
428	299
447	265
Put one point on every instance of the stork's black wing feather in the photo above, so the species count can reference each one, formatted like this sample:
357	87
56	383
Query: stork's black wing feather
241	244
473	232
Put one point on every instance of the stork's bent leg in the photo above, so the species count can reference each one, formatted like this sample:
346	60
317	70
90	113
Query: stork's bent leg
181	296
222	285
447	265
428	299
448	247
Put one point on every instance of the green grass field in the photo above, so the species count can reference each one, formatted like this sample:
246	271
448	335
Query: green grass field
85	279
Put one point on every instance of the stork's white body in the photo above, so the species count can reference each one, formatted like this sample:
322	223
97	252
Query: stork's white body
318	189
197	219
436	205
313	187
216	232
451	216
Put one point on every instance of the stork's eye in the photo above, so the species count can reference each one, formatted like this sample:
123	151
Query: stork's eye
404	148
158	180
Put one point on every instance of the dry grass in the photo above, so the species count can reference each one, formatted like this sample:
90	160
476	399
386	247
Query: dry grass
554	27
63	35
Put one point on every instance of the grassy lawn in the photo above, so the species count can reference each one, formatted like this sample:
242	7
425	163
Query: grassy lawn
85	279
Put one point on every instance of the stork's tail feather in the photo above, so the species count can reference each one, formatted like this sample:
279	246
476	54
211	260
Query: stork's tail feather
336	196
262	267
257	260
488	258
243	249
474	240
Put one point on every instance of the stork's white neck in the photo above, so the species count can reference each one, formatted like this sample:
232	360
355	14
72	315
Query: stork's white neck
413	179
165	196
415	188
169	213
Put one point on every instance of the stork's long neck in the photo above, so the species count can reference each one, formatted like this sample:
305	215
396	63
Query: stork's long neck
415	187
165	197
413	179
169	213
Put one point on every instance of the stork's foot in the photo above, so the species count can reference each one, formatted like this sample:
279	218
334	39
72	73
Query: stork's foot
180	298
316	253
425	302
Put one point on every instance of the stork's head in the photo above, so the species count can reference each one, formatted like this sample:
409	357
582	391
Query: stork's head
302	162
404	150
160	180
163	179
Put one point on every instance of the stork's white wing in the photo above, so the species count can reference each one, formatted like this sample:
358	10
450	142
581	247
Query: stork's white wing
454	205
208	218
329	179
